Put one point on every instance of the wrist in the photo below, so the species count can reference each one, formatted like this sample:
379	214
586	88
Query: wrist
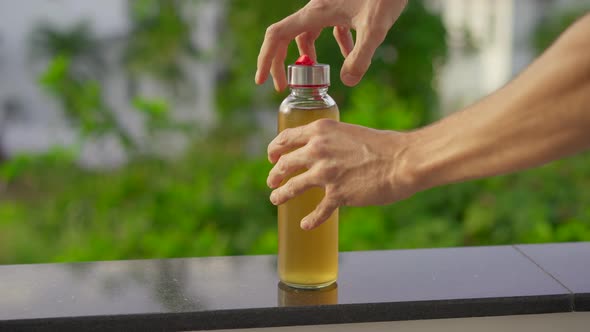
425	156
407	174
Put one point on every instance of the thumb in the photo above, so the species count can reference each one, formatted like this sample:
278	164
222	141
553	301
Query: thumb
358	61
322	212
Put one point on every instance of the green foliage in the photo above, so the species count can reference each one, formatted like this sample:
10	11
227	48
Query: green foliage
419	49
157	46
157	112
149	209
19	164
81	99
160	39
379	107
214	201
76	41
208	204
72	76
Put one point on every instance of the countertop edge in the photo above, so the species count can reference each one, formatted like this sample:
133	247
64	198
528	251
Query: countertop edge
302	315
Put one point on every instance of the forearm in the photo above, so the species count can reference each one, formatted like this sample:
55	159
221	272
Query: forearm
542	115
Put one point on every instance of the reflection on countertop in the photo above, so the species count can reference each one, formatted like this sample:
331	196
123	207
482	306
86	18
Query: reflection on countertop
289	296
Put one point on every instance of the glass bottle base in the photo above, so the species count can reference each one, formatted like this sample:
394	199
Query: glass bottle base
309	287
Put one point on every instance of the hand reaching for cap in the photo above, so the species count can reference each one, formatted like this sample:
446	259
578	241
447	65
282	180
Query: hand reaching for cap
371	20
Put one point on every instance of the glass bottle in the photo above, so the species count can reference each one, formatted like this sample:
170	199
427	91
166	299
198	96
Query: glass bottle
307	259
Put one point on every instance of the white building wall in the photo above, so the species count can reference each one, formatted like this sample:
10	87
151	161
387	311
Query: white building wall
40	124
470	74
503	32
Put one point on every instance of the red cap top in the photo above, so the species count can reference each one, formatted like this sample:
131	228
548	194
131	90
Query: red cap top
304	60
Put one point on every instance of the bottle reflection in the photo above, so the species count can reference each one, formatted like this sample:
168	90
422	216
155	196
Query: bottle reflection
289	296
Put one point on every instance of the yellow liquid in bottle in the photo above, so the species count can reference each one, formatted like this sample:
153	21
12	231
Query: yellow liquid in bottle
306	259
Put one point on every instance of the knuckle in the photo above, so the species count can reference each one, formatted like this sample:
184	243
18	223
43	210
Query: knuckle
335	198
318	5
299	131
323	171
273	31
302	38
283	167
322	125
282	138
290	188
324	141
329	171
325	212
318	149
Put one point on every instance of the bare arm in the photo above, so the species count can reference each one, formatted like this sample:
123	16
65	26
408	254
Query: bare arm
542	115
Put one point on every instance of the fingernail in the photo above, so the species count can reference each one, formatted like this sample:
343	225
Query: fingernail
273	198
256	78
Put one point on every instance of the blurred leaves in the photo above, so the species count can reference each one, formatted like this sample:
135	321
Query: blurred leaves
81	99
209	204
158	46
22	163
154	107
379	107
159	41
214	200
202	205
74	42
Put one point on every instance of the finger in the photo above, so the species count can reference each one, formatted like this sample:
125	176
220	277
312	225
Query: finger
294	187
288	164
280	34
267	53
306	43
359	60
277	69
344	38
287	140
321	213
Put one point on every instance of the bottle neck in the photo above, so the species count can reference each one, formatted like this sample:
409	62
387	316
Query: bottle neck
309	92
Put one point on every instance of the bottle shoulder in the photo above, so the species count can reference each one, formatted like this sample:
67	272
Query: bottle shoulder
316	102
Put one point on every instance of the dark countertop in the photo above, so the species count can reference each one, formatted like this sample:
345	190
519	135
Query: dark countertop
243	291
569	263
